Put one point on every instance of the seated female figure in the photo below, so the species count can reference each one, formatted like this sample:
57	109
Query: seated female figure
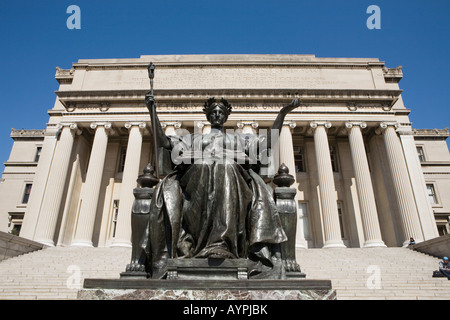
214	204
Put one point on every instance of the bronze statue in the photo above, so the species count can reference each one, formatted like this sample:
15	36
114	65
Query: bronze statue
215	206
212	203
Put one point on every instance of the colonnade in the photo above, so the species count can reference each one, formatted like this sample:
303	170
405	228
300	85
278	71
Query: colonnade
48	197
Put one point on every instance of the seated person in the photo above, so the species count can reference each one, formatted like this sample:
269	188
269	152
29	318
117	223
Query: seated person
444	267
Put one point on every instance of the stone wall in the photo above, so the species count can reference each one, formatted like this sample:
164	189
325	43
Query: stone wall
13	246
437	247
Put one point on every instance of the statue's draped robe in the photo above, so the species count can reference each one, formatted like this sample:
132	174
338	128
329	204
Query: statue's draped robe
210	205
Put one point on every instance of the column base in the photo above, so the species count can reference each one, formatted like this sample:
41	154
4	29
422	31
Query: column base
334	244
86	244
48	243
301	245
121	244
374	244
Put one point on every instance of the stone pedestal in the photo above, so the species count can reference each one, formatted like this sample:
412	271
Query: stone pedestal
139	219
129	289
207	269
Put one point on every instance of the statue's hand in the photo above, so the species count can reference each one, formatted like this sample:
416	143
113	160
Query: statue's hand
149	100
291	106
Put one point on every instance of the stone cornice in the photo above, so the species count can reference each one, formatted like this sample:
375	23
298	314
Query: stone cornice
393	74
64	76
22	133
433	133
205	60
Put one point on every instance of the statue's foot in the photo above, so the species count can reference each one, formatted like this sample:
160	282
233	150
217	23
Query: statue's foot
291	265
135	267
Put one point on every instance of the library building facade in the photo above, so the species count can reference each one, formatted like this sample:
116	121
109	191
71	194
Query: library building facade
365	177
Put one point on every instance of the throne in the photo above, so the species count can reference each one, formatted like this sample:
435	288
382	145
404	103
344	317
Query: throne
211	268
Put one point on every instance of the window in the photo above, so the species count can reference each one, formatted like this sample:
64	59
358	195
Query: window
299	158
304	218
26	194
334	161
420	154
442	230
115	215
123	154
431	194
38	154
15	222
341	219
16	229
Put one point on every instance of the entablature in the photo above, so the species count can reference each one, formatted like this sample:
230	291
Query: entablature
353	98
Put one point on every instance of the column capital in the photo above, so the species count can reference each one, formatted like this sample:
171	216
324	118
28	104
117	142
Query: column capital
141	125
201	124
107	125
175	124
315	124
386	124
352	124
242	124
291	124
71	125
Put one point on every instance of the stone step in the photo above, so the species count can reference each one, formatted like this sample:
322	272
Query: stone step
58	273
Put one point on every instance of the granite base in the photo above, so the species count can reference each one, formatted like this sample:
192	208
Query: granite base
140	294
133	289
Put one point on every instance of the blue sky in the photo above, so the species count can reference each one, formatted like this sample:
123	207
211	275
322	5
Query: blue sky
35	39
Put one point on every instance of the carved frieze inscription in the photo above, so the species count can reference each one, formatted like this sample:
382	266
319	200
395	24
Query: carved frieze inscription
230	77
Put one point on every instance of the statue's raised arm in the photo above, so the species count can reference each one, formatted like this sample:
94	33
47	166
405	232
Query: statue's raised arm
278	123
160	138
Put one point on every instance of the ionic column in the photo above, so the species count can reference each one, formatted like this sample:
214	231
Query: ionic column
73	173
402	185
327	189
424	208
91	187
51	203
286	156
31	216
130	174
367	205
287	148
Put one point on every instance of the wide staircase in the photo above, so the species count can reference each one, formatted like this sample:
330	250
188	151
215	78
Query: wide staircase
376	273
